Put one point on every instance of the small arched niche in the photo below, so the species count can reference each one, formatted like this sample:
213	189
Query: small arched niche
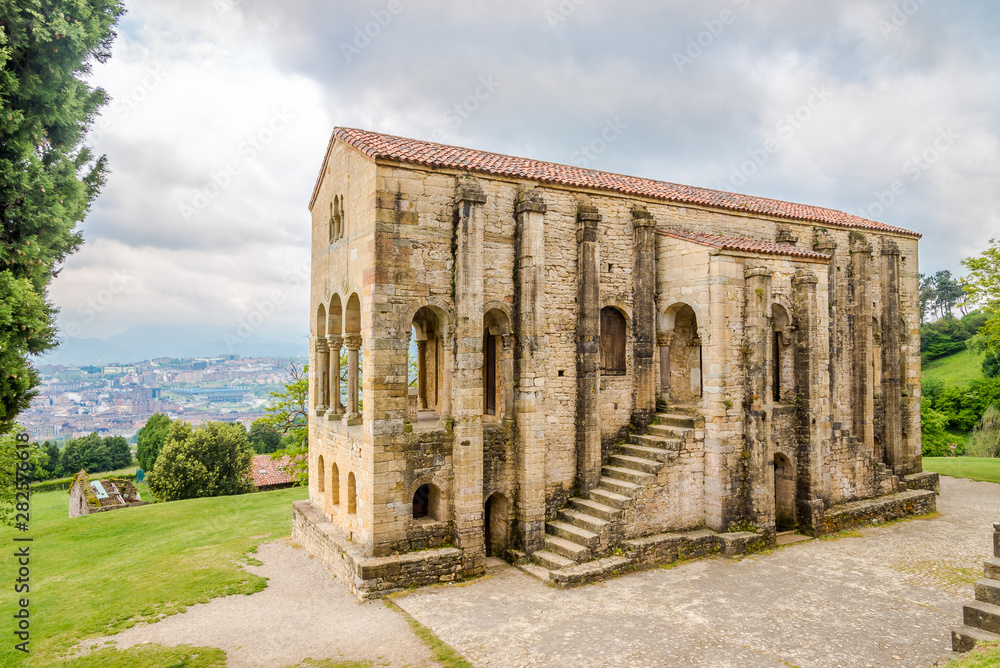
427	502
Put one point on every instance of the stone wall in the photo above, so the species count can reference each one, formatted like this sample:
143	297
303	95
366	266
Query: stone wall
449	242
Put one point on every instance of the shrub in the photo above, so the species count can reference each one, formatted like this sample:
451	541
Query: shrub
936	442
985	439
212	460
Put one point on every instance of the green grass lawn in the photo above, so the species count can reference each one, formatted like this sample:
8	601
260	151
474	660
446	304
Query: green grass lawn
974	468
98	574
958	369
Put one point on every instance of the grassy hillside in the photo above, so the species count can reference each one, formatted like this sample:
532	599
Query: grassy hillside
958	369
98	574
974	468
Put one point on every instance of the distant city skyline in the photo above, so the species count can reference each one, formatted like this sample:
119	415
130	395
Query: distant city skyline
220	114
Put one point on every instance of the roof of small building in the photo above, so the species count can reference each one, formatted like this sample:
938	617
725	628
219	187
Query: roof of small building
414	151
267	472
747	245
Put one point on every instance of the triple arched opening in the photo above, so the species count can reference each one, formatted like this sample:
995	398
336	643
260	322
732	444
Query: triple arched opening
338	374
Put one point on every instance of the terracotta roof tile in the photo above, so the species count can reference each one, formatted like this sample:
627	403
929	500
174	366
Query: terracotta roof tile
748	245
267	472
387	147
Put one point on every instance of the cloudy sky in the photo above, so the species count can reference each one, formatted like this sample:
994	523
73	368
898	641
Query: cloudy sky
221	111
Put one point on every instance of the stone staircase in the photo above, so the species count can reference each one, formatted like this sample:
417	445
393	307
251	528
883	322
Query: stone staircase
583	530
982	616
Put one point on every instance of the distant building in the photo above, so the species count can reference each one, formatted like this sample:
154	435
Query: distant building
88	496
270	473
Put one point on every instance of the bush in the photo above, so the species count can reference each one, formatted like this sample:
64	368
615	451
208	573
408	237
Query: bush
212	460
936	442
985	439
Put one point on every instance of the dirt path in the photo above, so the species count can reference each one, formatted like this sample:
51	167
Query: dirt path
303	613
887	597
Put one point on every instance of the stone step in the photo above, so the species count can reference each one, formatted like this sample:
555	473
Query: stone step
988	591
658	443
596	508
635	463
551	560
619	486
992	568
608	497
964	638
646	451
629	475
573	533
679	420
667	431
583	520
566	548
985	616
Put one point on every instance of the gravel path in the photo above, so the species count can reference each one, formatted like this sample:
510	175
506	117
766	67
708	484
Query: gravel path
303	613
883	596
887	596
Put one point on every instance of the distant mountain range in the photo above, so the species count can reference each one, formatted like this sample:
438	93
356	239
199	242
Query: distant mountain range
149	342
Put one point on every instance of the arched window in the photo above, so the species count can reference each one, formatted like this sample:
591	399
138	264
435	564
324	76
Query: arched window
320	482
352	494
334	485
427	502
612	342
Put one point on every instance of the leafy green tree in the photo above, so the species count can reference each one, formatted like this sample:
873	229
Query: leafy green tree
9	460
117	451
935	441
927	295
48	177
149	440
288	413
264	438
212	460
53	453
983	286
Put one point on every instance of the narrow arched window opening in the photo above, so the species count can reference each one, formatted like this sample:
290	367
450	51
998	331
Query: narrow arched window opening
612	342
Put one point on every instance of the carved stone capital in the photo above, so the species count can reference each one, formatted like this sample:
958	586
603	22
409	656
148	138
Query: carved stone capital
663	339
642	218
335	342
531	201
352	342
469	190
804	278
588	215
752	272
321	345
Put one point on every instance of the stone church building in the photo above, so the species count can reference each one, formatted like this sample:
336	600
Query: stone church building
563	366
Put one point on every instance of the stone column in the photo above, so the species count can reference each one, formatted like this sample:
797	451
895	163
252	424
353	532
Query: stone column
531	371
322	364
812	417
863	396
422	375
663	341
757	419
892	388
447	363
468	381
644	312
336	408
353	344
588	352
507	368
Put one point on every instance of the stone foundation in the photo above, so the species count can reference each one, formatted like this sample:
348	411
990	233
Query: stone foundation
878	510
369	577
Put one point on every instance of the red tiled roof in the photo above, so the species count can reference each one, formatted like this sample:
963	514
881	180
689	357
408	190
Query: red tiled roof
267	472
388	147
748	245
